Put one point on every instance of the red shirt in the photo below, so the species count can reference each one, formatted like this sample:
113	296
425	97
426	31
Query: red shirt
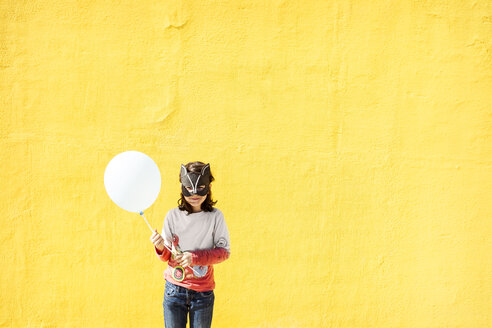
200	259
205	236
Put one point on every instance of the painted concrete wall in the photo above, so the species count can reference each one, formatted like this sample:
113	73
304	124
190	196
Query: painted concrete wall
350	141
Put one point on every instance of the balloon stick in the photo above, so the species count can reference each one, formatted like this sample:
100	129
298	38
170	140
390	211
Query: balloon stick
141	213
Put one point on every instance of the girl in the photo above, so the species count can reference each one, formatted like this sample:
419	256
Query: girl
194	237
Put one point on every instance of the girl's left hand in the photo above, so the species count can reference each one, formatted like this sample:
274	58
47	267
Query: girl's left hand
184	259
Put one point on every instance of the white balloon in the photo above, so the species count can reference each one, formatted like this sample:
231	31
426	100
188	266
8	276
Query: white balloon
132	180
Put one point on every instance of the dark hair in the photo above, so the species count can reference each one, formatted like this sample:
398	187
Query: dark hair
208	203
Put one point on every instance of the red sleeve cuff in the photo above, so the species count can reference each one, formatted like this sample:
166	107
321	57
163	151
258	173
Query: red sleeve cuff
209	256
164	255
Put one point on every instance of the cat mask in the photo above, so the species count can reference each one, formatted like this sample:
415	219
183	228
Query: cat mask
194	181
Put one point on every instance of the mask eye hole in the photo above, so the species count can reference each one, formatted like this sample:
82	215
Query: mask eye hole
201	187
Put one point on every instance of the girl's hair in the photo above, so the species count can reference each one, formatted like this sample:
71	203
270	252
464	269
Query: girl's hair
208	203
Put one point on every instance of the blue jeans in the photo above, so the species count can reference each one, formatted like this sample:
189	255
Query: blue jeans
179	301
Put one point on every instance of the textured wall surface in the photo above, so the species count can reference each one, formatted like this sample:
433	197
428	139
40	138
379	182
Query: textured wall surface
350	141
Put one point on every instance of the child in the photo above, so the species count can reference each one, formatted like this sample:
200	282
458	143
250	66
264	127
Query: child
194	237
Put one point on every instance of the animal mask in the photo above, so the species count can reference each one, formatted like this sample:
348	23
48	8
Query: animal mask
194	181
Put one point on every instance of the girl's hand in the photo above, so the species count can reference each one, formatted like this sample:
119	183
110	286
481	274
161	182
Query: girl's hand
157	240
184	259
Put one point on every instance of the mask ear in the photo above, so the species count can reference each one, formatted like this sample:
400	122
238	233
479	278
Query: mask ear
184	172
206	170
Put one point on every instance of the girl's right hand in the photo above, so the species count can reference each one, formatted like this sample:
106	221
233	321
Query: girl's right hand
157	240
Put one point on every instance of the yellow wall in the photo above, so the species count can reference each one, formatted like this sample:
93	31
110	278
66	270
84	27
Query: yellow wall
350	141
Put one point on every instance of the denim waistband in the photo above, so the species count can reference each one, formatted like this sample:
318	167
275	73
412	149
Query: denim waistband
179	288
